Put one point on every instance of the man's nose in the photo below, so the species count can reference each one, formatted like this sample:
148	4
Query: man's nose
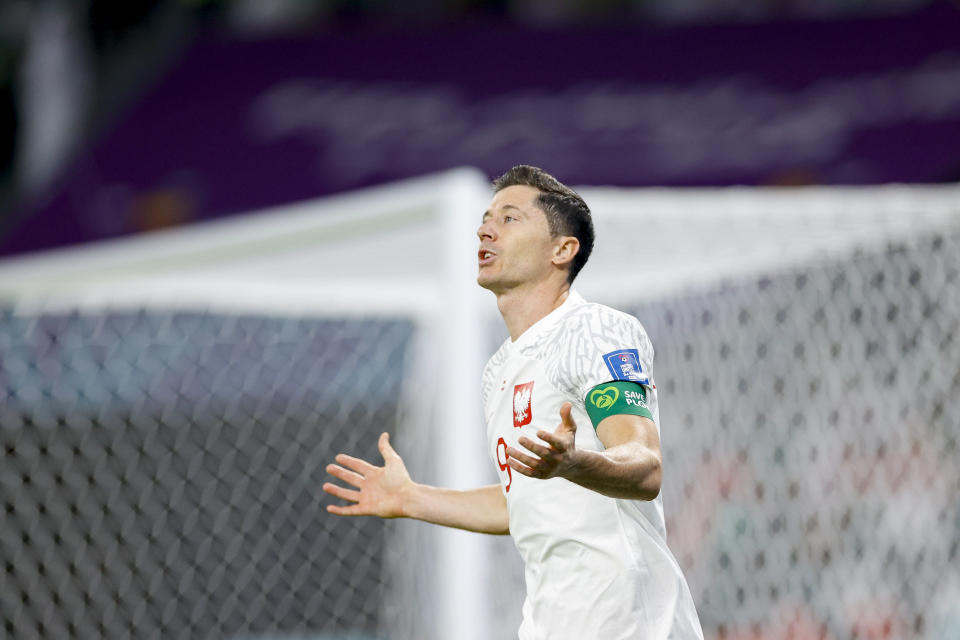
486	232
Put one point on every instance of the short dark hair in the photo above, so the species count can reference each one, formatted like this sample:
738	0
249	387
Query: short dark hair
567	214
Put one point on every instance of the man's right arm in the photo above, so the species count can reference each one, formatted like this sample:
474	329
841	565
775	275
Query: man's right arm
388	492
483	510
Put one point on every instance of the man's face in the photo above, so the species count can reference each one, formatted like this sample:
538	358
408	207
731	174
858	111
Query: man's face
515	243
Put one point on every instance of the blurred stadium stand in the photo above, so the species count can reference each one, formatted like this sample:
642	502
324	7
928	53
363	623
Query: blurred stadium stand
297	99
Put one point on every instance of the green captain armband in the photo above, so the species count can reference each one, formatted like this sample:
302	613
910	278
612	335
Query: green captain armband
616	398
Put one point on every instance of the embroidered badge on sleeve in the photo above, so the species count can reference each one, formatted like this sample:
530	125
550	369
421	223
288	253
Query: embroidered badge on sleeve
624	364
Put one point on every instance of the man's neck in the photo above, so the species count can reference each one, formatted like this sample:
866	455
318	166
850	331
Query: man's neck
522	307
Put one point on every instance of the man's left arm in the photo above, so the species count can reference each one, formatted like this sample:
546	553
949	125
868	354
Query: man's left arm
629	467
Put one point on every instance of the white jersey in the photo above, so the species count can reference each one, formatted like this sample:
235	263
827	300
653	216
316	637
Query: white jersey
595	566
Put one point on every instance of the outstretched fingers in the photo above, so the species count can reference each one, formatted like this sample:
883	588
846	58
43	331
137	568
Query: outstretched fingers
347	510
566	416
558	444
537	448
356	464
386	450
341	492
522	463
521	468
350	477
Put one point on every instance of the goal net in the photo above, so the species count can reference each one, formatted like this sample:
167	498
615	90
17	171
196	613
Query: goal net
810	407
168	405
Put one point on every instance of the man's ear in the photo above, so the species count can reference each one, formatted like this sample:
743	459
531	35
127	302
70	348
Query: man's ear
564	251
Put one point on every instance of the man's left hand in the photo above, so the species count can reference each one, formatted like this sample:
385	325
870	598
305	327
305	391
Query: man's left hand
556	459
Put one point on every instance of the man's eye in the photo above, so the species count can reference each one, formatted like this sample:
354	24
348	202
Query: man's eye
508	218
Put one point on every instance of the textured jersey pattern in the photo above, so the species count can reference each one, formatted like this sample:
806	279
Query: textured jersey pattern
572	349
585	334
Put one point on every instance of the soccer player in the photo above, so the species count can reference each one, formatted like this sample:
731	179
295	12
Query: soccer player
582	504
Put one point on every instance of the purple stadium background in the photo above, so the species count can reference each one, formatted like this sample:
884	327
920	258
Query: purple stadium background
239	125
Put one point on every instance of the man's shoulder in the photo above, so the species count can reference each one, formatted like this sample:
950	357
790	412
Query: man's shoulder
595	342
594	317
601	310
594	332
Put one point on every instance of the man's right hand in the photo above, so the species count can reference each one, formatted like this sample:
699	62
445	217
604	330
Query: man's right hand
389	492
380	490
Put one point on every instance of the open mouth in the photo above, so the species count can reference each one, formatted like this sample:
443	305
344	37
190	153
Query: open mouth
485	256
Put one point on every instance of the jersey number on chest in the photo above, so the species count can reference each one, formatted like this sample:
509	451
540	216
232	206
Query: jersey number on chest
503	463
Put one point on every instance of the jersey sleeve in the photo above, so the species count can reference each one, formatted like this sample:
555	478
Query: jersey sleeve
603	345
